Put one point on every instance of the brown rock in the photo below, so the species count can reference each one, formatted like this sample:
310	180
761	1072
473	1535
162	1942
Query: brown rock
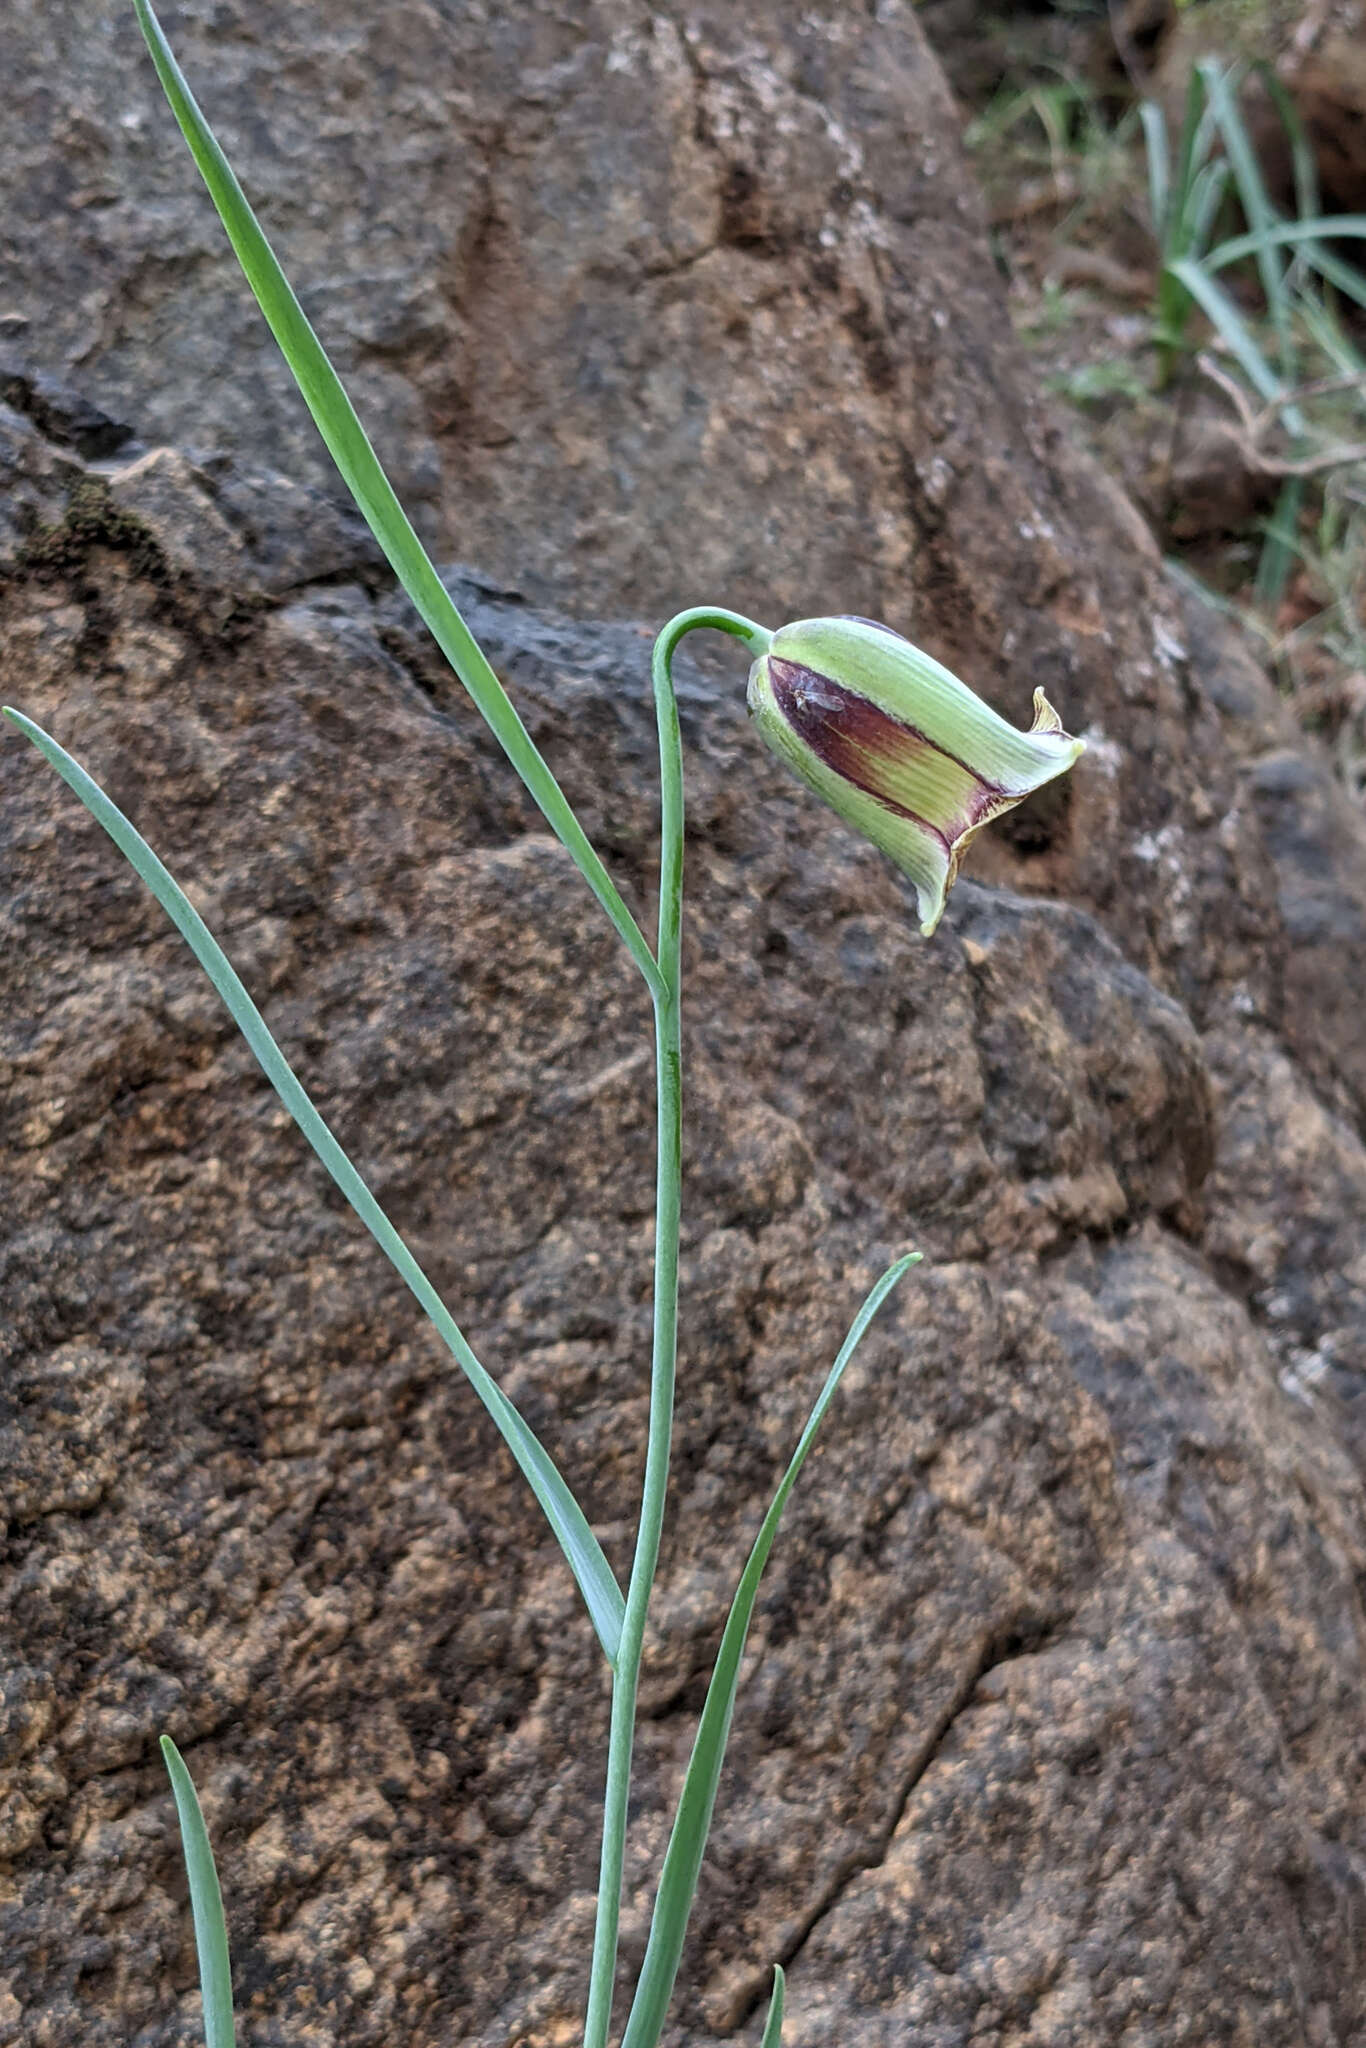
1051	1730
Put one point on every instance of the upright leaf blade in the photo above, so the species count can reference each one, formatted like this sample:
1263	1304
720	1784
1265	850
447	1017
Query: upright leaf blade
601	1593
773	2025
363	476
1194	130
1206	197
1280	546
1302	158
1216	304
692	1823
1256	204
206	1904
1154	124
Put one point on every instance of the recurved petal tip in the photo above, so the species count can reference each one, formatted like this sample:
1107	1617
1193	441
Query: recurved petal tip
1047	723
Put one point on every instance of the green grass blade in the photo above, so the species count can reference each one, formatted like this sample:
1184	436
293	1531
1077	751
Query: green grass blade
1256	204
1206	197
1228	322
590	1568
692	1822
1280	547
1327	333
1190	202
1159	169
365	479
206	1904
1344	277
1196	129
773	2025
1304	167
1296	234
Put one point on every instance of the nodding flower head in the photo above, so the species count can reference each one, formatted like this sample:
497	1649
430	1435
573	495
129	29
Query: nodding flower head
906	753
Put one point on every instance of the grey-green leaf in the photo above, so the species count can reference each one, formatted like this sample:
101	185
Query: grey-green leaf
773	2025
206	1904
1305	238
1215	302
591	1570
692	1822
1154	126
1252	193
364	477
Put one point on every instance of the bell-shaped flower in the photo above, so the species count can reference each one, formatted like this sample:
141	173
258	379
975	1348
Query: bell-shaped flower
897	745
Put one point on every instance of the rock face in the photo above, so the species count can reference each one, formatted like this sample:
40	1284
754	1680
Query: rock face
1052	1729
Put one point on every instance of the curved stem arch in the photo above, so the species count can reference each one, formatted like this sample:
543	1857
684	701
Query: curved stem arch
668	1190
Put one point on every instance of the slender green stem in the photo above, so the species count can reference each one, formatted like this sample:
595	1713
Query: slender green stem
668	1193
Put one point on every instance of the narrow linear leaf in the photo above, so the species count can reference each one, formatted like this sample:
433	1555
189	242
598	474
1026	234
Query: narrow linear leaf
1196	129
364	477
1206	197
1228	322
1302	157
1343	276
1280	548
692	1823
591	1570
1288	234
1159	190
1206	129
1326	330
773	2025
206	1904
1256	202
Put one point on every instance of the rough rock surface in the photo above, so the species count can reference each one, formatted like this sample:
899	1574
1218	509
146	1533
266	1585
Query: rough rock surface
1052	1730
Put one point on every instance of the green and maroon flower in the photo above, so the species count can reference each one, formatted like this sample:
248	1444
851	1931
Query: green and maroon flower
897	745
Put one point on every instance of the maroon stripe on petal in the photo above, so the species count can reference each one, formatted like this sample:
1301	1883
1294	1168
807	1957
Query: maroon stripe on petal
838	725
847	732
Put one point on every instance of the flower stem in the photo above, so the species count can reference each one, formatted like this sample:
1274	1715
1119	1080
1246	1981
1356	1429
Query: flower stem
668	1195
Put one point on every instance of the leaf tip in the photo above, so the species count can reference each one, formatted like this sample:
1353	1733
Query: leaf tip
22	723
773	2026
